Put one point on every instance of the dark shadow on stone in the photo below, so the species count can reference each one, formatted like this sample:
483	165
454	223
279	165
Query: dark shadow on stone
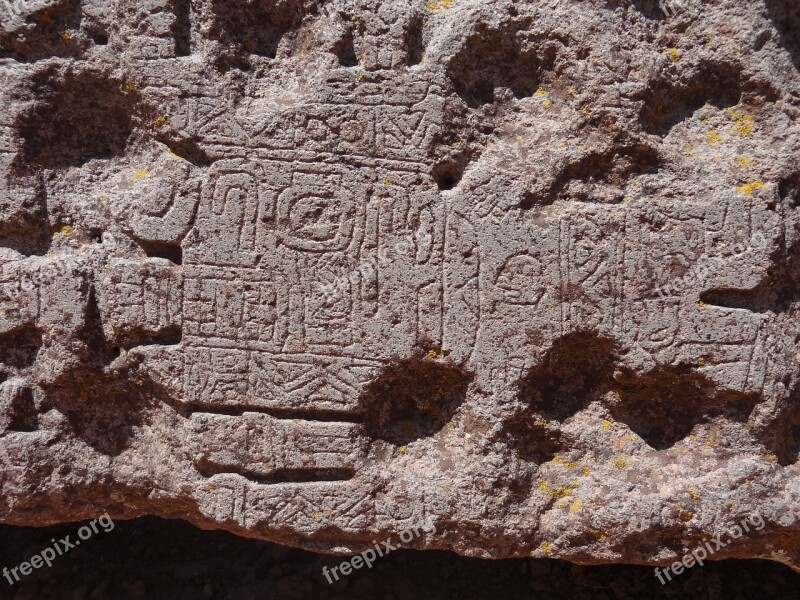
18	348
105	411
779	290
610	168
28	231
575	370
80	116
414	40
44	33
255	27
492	58
662	406
413	397
161	559
24	416
533	440
650	9
786	16
668	102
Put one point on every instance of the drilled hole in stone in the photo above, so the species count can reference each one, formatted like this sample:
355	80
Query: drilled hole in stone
414	42
447	175
171	251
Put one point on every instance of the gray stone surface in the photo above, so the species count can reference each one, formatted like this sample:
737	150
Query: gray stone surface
521	274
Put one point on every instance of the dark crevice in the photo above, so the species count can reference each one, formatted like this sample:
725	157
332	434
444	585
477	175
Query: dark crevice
182	27
168	336
100	38
185	148
345	50
448	174
413	397
305	414
171	251
209	469
24	416
414	40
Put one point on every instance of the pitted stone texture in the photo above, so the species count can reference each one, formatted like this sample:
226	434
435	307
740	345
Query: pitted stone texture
319	272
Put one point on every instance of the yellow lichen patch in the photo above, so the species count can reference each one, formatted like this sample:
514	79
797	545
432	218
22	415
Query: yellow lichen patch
585	109
575	506
621	462
557	460
546	547
388	181
434	5
128	86
772	458
557	492
541	92
599	534
686	516
211	487
547	104
585	470
701	304
744	123
693	493
160	121
712	137
316	515
140	174
701	361
573	91
606	424
673	53
710	441
360	77
748	188
403	449
66	230
743	161
66	35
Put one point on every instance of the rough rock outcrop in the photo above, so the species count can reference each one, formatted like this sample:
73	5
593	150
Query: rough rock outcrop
520	277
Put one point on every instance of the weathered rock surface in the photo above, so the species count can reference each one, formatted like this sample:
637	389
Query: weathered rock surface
525	273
